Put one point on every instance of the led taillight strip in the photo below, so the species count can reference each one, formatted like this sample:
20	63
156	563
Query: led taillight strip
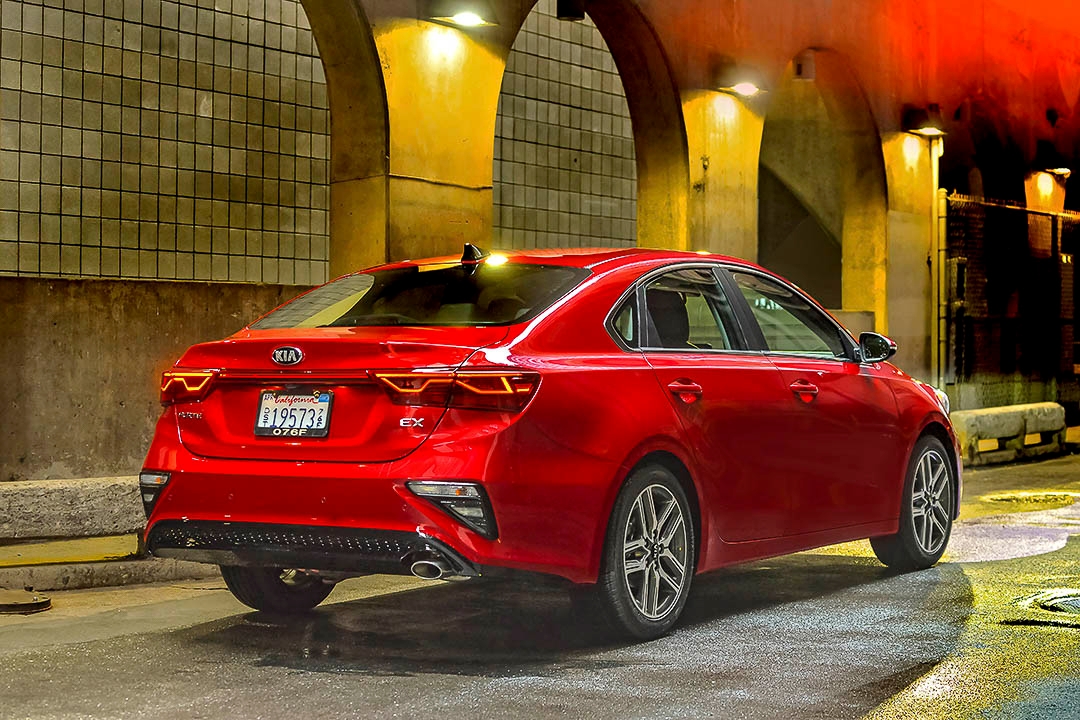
192	382
390	380
179	385
461	380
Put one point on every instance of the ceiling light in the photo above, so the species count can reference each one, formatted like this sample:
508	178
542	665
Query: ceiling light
463	13
924	121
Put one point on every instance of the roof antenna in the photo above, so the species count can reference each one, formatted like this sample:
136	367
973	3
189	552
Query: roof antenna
472	254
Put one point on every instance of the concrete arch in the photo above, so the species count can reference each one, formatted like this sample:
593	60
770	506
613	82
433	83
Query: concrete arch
823	202
359	134
660	140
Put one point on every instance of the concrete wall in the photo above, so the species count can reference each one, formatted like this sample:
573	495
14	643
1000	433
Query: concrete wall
83	360
163	140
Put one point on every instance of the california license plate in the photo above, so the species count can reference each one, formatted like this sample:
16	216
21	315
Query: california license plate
290	414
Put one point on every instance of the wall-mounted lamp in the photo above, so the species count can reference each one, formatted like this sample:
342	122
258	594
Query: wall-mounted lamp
1048	159
738	80
463	13
572	10
925	121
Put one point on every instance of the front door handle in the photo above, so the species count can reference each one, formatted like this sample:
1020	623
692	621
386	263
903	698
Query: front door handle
804	389
686	390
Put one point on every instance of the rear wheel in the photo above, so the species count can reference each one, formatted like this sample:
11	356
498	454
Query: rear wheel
274	589
926	516
649	553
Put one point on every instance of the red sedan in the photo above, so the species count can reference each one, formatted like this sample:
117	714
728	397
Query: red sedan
624	419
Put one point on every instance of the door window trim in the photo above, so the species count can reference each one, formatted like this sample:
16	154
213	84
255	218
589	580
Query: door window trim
637	289
746	315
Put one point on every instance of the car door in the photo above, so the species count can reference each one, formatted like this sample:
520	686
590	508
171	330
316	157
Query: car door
727	398
841	426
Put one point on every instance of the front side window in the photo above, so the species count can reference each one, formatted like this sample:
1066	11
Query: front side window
447	294
789	322
687	310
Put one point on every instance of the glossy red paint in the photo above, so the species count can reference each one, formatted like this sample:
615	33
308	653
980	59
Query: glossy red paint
771	466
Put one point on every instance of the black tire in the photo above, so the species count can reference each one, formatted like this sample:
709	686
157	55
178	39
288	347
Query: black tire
915	546
630	605
275	590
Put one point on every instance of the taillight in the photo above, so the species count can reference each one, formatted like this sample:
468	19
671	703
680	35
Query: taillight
474	389
185	385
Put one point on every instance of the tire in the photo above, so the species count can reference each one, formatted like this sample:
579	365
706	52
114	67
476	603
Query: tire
275	590
926	513
649	555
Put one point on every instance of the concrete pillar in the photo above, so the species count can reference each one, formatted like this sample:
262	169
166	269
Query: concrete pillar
359	134
724	138
912	192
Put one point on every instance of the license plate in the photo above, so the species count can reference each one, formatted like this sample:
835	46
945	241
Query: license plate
290	414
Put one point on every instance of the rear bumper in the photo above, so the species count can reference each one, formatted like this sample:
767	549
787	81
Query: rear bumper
351	550
550	507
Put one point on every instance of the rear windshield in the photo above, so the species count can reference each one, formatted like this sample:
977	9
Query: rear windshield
429	295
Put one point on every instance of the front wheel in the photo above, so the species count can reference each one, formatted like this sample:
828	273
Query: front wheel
926	516
274	589
649	555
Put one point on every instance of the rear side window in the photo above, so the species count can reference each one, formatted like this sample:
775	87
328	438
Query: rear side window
430	295
687	310
788	321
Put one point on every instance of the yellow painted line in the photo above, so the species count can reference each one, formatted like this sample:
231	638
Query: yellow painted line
113	547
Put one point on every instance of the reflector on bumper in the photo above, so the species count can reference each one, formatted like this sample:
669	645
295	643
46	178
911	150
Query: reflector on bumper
465	502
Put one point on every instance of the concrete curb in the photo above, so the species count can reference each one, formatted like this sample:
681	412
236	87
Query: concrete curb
102	574
89	507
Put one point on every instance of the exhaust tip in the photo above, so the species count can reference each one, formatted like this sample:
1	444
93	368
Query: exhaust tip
430	569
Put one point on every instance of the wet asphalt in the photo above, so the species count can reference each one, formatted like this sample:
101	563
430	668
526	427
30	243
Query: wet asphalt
826	634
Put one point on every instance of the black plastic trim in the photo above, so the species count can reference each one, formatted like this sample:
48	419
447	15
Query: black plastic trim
310	547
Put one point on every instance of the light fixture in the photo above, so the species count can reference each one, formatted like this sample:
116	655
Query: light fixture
924	121
728	77
572	10
1048	159
463	13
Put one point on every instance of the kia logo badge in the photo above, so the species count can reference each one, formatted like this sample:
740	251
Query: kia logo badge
287	355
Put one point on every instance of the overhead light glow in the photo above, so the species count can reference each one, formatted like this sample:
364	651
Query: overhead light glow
468	19
1045	183
912	150
745	89
497	259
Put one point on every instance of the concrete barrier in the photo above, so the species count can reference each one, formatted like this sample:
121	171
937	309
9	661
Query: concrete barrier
43	519
1013	432
88	507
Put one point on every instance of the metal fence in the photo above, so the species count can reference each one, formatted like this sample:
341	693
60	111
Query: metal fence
1010	303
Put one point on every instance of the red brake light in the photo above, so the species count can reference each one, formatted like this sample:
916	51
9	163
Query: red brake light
475	389
185	385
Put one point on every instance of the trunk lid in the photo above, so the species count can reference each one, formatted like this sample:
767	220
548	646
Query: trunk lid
338	364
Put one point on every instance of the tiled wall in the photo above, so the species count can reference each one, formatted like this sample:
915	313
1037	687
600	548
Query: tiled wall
565	173
157	139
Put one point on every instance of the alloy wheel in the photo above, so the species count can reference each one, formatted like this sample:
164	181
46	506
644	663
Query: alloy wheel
655	552
931	502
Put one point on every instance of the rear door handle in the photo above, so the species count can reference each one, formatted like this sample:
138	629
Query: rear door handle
686	390
806	390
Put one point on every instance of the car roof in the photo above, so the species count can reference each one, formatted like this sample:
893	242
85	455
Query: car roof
589	257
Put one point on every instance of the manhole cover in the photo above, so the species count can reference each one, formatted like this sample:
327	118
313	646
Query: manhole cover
22	602
1058	499
1065	600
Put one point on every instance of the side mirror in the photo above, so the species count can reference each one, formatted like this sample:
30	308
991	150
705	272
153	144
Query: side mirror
875	348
